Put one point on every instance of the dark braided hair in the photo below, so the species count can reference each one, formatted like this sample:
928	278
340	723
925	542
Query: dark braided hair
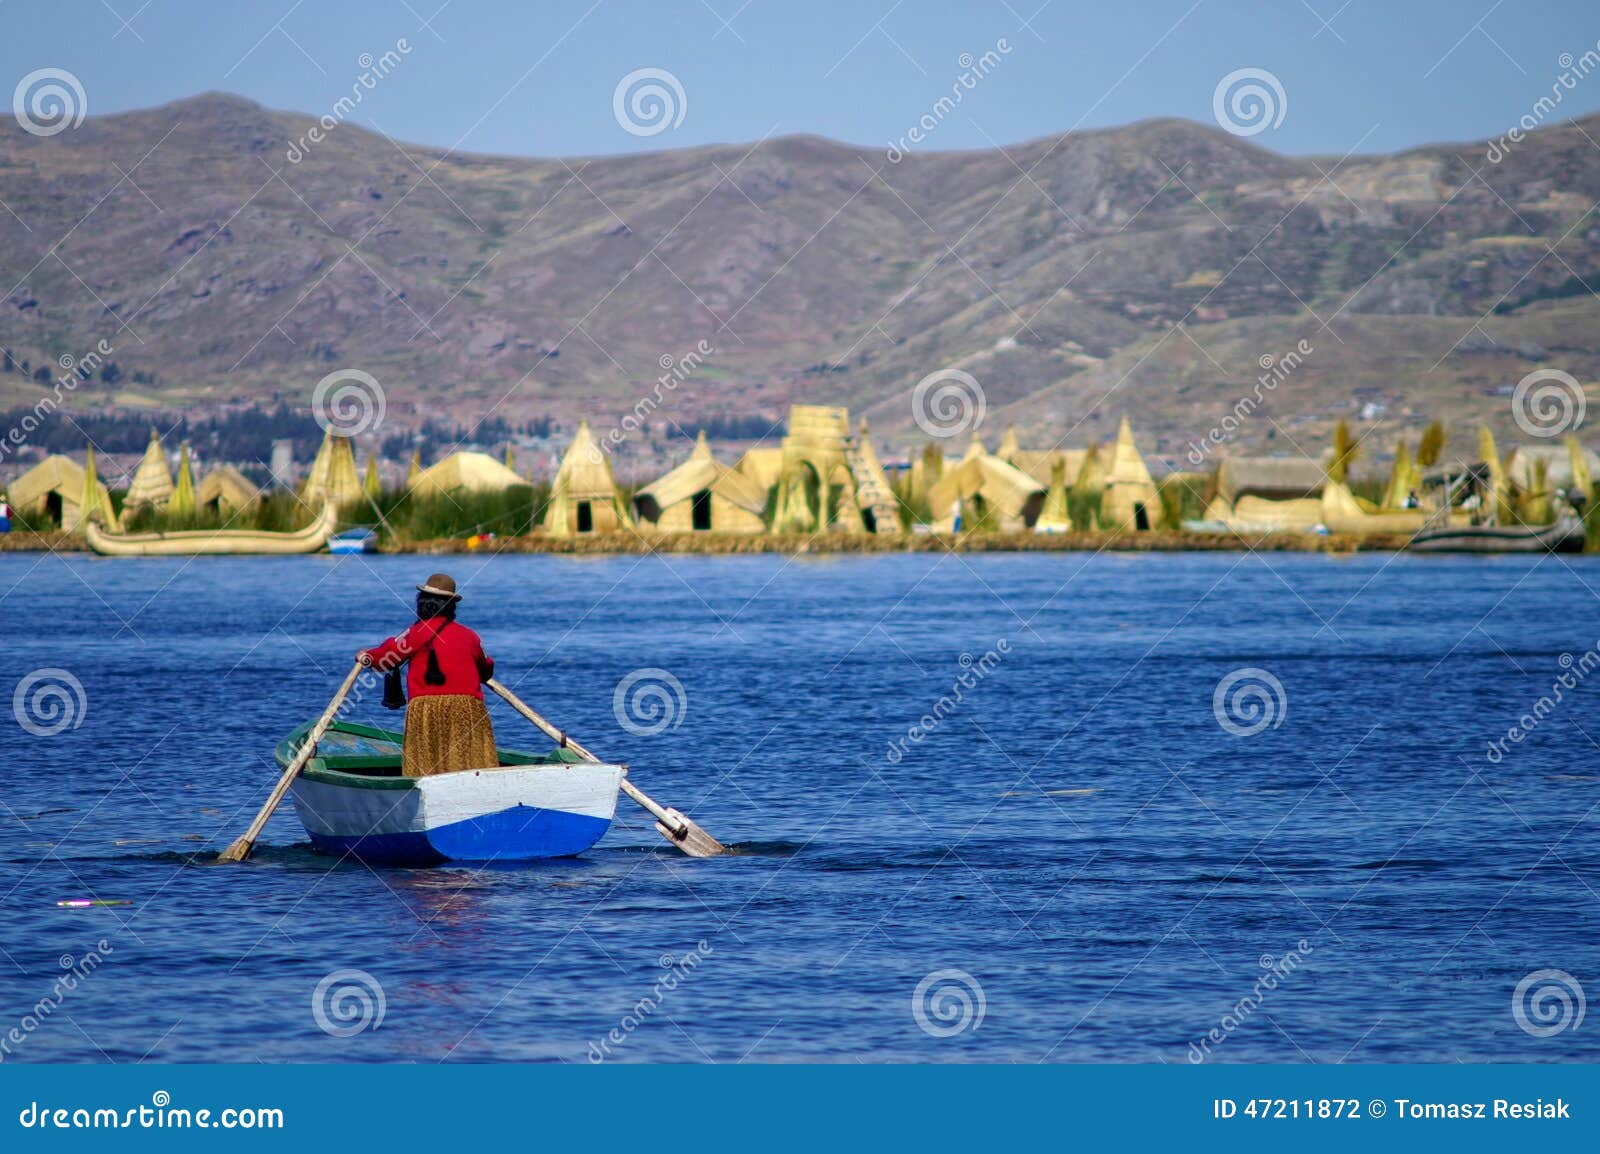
431	605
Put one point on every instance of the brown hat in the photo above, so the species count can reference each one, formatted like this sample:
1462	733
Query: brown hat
441	585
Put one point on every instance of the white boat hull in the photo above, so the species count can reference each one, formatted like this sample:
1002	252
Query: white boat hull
512	813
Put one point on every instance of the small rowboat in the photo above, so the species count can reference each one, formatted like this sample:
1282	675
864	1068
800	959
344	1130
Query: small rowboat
361	539
352	799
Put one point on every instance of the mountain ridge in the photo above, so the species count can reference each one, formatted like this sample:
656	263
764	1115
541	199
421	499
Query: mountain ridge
1143	269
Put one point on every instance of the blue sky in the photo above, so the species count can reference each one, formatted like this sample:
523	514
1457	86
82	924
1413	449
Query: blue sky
539	78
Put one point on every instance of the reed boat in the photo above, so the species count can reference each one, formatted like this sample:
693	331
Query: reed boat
1342	512
352	799
1564	536
214	542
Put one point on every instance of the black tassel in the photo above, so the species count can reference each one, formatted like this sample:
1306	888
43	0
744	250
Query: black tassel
394	689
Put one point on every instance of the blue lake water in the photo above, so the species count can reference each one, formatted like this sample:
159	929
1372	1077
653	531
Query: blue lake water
1075	861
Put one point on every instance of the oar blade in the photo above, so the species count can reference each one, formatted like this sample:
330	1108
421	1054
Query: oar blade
690	837
240	849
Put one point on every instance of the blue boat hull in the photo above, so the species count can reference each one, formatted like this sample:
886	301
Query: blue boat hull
519	834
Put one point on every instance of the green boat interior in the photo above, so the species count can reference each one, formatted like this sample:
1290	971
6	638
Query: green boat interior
365	756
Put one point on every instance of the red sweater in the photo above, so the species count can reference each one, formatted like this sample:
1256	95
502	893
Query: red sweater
461	658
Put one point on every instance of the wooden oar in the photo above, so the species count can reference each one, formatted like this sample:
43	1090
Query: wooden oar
674	825
240	849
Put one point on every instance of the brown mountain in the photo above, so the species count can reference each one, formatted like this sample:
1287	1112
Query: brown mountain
1144	270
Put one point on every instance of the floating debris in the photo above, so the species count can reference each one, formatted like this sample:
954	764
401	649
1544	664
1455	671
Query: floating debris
1082	792
88	903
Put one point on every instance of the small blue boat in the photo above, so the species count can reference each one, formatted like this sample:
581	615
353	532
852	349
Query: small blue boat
361	539
352	799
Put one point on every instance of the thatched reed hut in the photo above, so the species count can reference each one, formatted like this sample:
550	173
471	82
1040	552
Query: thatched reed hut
226	491
333	477
62	492
464	472
984	490
1130	500
151	486
703	495
1040	464
584	497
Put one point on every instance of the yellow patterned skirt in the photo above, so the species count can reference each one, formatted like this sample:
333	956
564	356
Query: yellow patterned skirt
446	733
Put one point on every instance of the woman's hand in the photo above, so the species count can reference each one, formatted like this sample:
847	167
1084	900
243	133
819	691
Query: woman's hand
364	657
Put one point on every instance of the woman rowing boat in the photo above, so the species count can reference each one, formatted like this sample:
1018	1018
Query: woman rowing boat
447	725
